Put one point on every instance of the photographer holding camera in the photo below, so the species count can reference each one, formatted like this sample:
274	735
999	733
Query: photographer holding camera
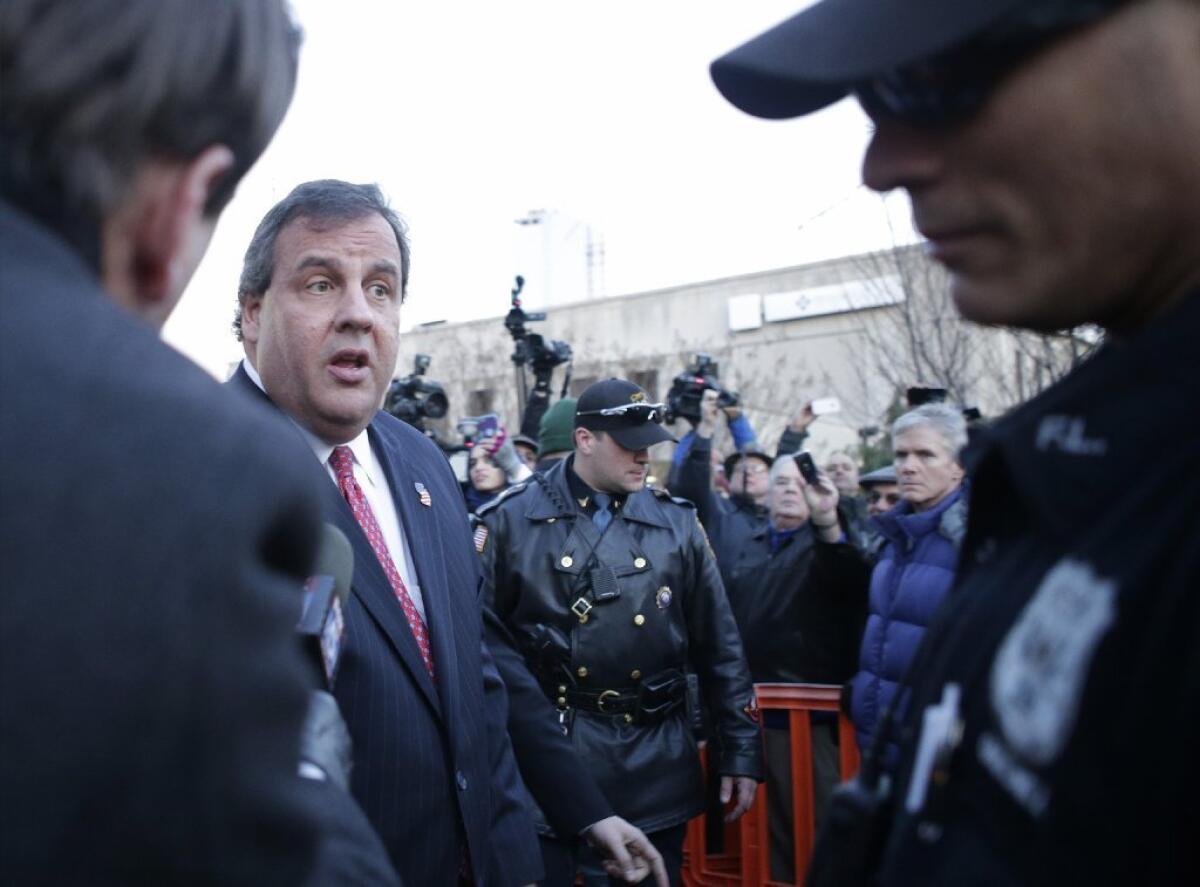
728	521
542	356
686	398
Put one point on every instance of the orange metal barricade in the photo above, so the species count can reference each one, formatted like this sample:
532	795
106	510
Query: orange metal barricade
746	860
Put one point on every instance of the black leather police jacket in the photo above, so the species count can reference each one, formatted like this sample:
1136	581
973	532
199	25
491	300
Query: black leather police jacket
671	613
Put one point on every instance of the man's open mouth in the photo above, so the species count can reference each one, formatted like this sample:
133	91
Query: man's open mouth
350	365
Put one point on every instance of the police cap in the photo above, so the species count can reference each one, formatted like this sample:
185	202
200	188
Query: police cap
620	408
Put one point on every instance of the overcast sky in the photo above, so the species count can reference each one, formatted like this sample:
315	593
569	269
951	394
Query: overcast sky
471	114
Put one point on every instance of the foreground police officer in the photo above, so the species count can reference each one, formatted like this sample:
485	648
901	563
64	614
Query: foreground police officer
615	597
1050	151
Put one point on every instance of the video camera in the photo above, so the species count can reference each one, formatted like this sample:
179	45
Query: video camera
683	400
532	348
413	398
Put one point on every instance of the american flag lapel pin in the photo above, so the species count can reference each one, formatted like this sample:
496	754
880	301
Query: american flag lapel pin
423	494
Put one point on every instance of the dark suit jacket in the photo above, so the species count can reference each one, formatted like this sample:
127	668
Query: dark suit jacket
431	762
152	536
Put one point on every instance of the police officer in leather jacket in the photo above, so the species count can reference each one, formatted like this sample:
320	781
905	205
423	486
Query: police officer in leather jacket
613	593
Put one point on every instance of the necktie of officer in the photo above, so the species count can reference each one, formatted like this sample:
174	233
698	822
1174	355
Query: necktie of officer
342	462
602	517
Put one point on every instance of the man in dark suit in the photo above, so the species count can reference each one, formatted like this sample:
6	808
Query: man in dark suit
319	317
152	530
318	314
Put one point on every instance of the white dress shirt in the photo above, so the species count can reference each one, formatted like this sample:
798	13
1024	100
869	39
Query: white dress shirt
369	474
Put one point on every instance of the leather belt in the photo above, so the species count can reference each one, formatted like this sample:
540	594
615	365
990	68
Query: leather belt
605	702
626	703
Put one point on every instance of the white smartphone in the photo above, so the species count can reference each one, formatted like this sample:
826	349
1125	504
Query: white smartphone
823	405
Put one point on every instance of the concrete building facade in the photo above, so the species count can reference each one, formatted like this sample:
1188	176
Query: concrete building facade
780	337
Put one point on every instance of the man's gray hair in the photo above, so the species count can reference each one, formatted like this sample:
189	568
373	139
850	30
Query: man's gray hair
322	201
944	419
93	91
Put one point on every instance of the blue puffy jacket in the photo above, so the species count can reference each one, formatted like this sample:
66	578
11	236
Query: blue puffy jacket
914	572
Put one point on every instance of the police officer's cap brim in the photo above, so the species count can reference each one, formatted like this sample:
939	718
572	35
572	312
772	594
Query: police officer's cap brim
640	437
816	57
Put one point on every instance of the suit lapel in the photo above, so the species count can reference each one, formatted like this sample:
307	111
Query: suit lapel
419	523
370	584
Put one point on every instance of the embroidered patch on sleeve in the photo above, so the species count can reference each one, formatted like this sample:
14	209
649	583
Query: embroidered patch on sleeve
481	535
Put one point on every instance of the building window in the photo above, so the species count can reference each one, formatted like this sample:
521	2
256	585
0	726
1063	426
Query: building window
480	401
647	380
580	383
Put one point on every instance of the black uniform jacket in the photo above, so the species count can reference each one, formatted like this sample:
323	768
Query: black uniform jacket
671	614
1073	633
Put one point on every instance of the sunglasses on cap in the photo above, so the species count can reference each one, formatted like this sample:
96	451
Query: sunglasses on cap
643	412
950	87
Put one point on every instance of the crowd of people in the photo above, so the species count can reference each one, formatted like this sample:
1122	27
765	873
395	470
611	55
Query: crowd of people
516	667
831	580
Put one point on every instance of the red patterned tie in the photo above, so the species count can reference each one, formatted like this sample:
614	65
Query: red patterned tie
342	461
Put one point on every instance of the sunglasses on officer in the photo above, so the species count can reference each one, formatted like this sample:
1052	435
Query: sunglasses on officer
643	412
950	87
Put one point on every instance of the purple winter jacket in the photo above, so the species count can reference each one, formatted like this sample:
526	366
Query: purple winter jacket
914	571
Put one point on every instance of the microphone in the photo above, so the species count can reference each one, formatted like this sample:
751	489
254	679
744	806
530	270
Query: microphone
322	623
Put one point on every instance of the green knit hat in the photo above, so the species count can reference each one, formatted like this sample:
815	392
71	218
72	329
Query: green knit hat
557	429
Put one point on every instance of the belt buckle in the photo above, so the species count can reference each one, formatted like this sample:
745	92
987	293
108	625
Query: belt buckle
581	608
605	695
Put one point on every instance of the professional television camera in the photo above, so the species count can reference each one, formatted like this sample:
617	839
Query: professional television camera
413	398
533	349
683	400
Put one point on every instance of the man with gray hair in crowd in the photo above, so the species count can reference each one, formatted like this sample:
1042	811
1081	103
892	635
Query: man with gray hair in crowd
1049	150
915	565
